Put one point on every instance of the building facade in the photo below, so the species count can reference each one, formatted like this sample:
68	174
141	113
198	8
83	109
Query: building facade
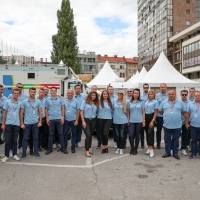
131	66
186	51
158	20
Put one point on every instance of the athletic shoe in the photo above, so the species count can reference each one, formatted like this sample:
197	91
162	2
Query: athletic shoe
15	157
10	154
148	151
54	146
79	144
4	159
184	152
117	152
37	155
151	153
121	152
115	144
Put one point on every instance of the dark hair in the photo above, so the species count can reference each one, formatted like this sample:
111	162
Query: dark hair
1	86
77	85
184	91
101	99
42	89
54	88
15	89
138	90
32	88
145	84
109	86
192	88
89	100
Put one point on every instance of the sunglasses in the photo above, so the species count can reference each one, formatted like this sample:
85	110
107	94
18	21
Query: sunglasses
19	87
119	93
129	91
183	95
146	88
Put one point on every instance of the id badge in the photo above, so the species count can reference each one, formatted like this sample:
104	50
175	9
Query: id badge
171	111
14	113
195	115
34	112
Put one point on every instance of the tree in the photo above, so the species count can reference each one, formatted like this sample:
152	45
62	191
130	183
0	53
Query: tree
13	60
2	61
65	46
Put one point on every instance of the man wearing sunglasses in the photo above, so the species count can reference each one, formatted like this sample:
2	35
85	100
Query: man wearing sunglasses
185	132
129	93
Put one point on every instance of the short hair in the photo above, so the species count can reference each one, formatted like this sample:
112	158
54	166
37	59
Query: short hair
145	84
46	87
1	86
42	89
15	89
109	86
53	87
19	84
192	88
184	91
77	85
32	88
94	86
163	84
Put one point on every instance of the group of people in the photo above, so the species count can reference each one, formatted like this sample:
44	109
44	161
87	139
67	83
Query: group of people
37	119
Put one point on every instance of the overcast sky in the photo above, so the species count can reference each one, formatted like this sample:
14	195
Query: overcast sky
104	26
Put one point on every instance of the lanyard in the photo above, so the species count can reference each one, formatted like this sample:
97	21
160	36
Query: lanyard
14	108
69	104
197	107
172	105
32	106
1	105
54	102
162	96
148	103
135	104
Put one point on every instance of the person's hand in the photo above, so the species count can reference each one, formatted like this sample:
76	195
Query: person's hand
84	125
187	126
76	123
3	127
22	126
48	122
39	124
151	125
143	124
62	120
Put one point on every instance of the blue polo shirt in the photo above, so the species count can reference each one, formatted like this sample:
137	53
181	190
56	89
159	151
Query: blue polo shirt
160	98
106	112
144	97
2	101
31	113
13	108
20	98
186	103
136	111
119	116
47	96
194	110
80	98
90	111
54	106
190	100
43	103
172	113
71	108
113	97
151	106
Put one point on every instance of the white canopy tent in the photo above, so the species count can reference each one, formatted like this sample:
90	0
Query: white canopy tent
133	77
164	72
104	77
141	75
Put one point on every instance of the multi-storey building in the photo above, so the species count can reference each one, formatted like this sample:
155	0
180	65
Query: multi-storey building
131	66
158	20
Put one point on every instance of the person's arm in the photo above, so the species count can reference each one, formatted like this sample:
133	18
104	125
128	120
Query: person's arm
40	117
154	118
3	120
63	114
47	116
82	118
143	117
77	117
128	115
160	112
22	118
187	117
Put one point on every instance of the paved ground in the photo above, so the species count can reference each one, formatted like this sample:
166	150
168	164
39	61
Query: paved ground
73	176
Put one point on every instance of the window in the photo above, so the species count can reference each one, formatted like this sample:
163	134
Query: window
187	23
60	71
187	1
31	75
112	66
101	66
121	67
187	11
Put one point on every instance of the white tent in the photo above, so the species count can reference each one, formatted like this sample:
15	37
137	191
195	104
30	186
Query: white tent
104	77
141	75
164	72
133	77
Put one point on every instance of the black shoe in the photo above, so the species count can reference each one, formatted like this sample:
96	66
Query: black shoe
131	152
23	156
142	146
192	156
135	152
103	151
39	149
73	150
158	147
48	151
106	150
176	156
64	151
31	152
98	146
166	155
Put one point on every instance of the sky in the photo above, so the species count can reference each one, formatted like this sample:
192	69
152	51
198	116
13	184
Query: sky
103	26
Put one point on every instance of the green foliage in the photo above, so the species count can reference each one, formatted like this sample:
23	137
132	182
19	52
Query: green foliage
2	61
65	46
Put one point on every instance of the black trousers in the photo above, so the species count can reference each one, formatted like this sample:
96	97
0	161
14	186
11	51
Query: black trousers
104	126
45	133
149	131
88	130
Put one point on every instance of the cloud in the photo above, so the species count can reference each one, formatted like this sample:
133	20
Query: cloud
105	27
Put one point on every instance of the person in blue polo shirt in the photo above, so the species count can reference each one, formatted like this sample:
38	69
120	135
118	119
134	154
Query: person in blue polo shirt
160	97
172	109
80	97
151	110
31	120
11	124
120	119
88	112
104	119
72	107
191	94
194	115
144	98
136	121
55	118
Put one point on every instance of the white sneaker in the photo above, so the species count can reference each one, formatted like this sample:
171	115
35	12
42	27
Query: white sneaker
118	150
54	146
121	152
115	144
10	154
4	159
15	157
58	146
148	151
151	153
184	152
79	144
27	151
172	152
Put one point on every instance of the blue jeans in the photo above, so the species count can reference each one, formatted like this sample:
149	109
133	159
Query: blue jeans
195	134
55	123
79	131
33	128
11	135
134	132
171	138
159	124
120	130
67	126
